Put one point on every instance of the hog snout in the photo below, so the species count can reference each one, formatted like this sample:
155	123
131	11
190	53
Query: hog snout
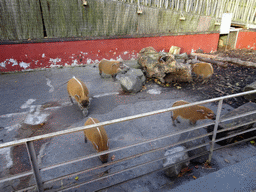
85	103
211	116
104	158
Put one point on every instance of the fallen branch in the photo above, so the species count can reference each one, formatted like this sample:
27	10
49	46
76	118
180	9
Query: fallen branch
214	59
219	90
208	59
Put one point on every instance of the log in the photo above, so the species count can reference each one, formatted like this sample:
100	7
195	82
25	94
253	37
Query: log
208	59
220	60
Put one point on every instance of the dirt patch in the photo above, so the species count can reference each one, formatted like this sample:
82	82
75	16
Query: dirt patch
243	54
225	81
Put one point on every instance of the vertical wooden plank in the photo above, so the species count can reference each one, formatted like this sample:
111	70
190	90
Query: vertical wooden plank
7	30
63	18
20	19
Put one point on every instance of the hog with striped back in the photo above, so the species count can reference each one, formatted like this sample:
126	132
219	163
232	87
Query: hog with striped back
98	137
78	91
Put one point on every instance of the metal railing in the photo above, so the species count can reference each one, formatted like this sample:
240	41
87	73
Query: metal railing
36	170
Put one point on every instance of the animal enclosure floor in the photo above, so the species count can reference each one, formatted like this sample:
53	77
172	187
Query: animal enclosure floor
35	95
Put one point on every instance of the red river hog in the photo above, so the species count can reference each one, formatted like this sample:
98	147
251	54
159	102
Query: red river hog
98	137
78	90
110	67
193	113
203	70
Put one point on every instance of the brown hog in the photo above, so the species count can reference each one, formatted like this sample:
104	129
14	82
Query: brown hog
110	67
98	137
78	90
193	113
203	70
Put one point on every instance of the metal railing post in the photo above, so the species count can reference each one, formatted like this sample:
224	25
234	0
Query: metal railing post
215	129
35	167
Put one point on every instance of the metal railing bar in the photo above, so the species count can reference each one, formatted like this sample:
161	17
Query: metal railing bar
162	169
238	116
133	117
130	157
16	176
232	144
26	189
82	128
215	128
122	148
237	126
129	169
230	136
202	145
29	141
201	154
33	162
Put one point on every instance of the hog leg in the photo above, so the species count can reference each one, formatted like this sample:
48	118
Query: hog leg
174	118
192	122
85	112
71	99
114	77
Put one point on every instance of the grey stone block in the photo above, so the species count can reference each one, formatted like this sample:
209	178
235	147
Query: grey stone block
250	87
190	144
130	83
173	157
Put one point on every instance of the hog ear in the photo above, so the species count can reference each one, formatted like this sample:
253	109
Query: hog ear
200	111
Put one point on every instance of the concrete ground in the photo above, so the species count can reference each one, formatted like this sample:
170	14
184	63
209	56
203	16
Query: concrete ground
34	103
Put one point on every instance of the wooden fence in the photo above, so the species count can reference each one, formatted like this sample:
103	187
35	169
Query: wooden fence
38	19
244	11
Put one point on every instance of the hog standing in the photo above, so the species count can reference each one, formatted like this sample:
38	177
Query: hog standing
98	137
78	90
110	67
203	70
193	113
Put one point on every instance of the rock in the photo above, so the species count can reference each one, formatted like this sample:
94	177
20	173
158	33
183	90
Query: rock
159	65
138	73
132	81
190	144
174	50
147	50
132	64
250	87
248	107
172	158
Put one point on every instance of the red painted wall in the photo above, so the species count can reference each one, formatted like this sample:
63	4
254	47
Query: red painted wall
18	57
246	40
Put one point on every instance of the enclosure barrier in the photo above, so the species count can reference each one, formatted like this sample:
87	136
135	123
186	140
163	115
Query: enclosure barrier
36	170
243	10
34	20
